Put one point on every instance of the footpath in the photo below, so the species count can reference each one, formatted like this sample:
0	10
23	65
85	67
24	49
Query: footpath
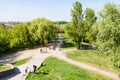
38	58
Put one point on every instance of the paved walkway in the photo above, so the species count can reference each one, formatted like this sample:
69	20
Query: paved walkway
38	58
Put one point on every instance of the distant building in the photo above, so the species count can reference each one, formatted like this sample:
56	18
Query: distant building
9	24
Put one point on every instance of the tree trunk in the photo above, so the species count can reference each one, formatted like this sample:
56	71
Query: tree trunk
79	43
78	46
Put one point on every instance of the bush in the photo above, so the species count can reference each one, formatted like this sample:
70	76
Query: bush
66	44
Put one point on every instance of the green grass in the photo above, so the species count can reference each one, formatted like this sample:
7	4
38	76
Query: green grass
55	69
20	62
4	67
93	57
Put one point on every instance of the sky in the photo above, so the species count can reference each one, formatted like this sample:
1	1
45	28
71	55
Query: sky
55	10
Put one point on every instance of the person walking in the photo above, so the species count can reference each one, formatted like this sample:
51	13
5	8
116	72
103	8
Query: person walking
26	70
34	68
41	50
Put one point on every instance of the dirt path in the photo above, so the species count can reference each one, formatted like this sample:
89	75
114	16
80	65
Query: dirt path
62	56
38	58
17	56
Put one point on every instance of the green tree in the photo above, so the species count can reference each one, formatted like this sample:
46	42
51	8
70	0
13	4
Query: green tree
107	32
90	19
75	29
42	31
19	37
78	30
4	39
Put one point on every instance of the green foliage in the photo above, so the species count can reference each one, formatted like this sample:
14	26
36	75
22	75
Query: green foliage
62	71
110	12
26	35
107	32
78	24
90	19
42	31
75	29
90	16
67	44
70	33
78	30
19	37
4	39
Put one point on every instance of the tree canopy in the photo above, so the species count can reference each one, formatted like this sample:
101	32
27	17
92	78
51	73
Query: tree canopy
78	29
19	37
25	35
43	31
107	31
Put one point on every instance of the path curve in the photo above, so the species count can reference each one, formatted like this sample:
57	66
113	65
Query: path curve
61	55
38	58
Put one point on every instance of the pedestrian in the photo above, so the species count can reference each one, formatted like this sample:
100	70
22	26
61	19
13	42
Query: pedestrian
34	68
26	70
29	70
40	50
45	50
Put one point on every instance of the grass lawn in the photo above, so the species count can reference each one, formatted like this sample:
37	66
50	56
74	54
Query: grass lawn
20	62
4	67
93	58
55	69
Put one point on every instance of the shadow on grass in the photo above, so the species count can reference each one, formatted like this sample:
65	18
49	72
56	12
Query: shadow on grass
88	46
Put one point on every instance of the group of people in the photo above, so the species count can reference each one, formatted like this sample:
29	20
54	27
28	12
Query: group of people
42	50
46	49
28	70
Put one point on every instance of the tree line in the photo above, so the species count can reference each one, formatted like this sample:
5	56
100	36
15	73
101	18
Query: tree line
38	32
